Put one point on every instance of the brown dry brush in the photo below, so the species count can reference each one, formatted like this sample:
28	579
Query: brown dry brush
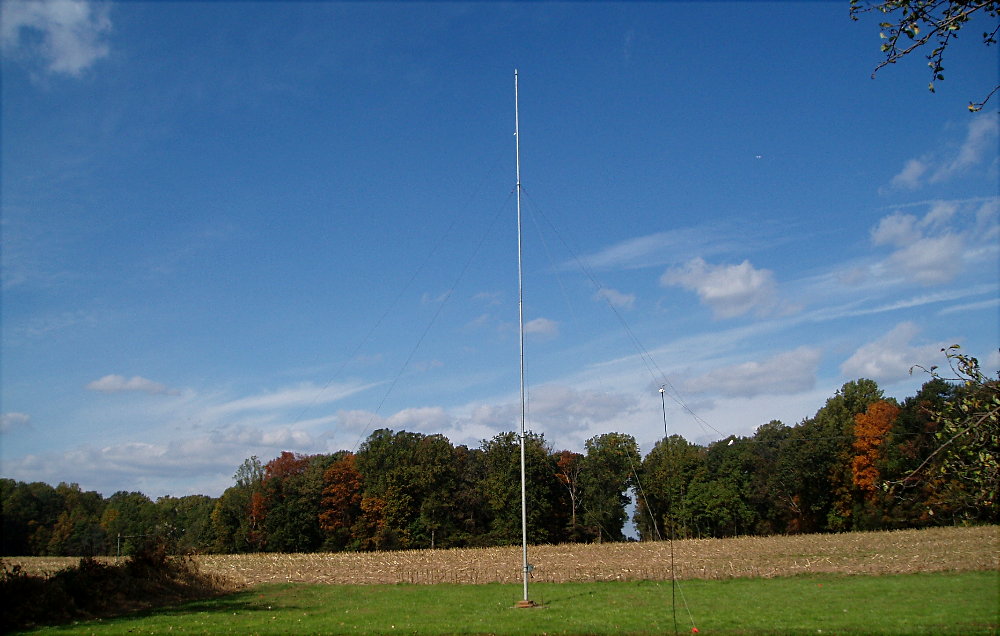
95	588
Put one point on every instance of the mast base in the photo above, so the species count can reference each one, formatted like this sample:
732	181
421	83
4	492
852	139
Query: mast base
526	604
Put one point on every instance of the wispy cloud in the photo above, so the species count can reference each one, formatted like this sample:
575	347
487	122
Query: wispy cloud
615	298
933	248
628	43
984	304
858	308
300	396
489	298
660	248
136	384
44	325
978	147
197	465
786	373
542	327
65	36
730	290
911	176
10	422
890	358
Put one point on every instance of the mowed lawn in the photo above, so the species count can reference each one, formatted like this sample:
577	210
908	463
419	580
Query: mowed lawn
920	603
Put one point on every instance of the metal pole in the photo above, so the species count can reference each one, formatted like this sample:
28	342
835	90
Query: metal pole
525	567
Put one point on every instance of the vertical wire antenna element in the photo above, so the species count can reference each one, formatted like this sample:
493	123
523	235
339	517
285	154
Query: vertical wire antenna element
520	323
663	405
673	577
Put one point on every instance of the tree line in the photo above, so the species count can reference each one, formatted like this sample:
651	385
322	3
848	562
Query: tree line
862	462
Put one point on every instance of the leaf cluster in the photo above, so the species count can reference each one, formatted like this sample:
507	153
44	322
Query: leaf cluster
911	24
967	457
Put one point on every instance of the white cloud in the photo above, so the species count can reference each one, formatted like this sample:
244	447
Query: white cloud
68	36
635	252
357	421
615	298
988	221
564	414
9	422
120	384
909	178
936	247
890	358
429	418
489	298
979	146
542	327
980	140
991	364
940	214
989	303
46	324
481	321
663	248
931	260
730	290
562	408
429	299
786	373
153	469
303	395
896	229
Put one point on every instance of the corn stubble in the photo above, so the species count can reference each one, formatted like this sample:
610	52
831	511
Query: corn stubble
896	552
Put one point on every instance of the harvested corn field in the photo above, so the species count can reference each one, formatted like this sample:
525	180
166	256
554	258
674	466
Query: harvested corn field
903	551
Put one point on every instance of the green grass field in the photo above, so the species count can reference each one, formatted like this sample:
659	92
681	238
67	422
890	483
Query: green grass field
925	603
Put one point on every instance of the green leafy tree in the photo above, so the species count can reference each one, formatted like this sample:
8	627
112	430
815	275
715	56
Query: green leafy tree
280	506
718	499
964	466
911	441
78	530
29	512
130	521
824	458
772	488
605	479
501	486
408	482
438	480
716	508
291	496
470	512
666	474
236	518
187	522
912	24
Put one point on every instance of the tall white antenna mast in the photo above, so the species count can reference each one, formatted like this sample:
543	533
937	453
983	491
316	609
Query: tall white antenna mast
525	566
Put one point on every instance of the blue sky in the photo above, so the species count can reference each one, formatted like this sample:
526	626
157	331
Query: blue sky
233	229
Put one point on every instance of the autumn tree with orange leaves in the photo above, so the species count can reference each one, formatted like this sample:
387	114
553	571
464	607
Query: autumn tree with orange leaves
870	432
341	505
